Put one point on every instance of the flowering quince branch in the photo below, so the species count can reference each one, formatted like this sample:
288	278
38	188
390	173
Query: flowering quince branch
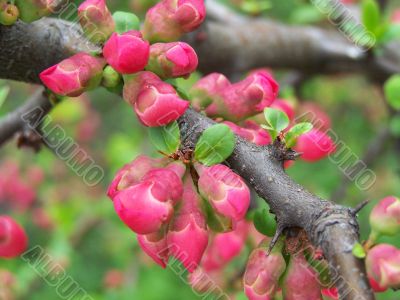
174	203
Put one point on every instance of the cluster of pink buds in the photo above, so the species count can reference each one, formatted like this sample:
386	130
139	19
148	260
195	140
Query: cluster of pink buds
157	199
220	98
168	20
13	240
17	189
74	75
156	102
383	267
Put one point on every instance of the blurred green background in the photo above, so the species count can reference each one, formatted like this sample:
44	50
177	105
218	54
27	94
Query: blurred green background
76	224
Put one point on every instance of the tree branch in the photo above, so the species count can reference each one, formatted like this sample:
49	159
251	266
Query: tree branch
331	227
13	122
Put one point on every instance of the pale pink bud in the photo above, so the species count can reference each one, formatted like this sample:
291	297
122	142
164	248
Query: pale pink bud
113	279
261	279
127	53
144	207
225	190
13	239
259	88
188	236
171	60
284	106
224	247
169	19
74	75
301	280
314	145
383	266
209	89
170	181
156	102
132	173
385	217
155	246
96	20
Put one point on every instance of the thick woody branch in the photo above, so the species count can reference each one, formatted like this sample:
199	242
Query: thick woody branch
330	227
13	122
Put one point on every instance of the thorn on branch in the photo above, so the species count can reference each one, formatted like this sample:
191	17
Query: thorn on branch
359	207
278	234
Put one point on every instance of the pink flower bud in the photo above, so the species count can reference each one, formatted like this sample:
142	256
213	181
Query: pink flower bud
226	191
172	60
169	180
144	207
385	217
208	89
188	236
224	247
169	19
261	278
259	88
314	145
383	266
127	53
301	281
284	106
132	173
13	239
96	20
156	102
331	293
155	246
74	75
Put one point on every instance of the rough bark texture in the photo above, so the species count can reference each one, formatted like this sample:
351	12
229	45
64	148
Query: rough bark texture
28	49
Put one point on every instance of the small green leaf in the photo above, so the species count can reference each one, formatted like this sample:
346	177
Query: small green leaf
371	15
392	33
294	132
125	21
277	121
392	91
181	92
215	145
166	138
358	251
4	90
265	222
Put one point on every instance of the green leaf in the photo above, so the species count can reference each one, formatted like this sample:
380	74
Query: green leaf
265	222
181	92
294	132
392	91
358	251
125	21
4	90
166	138
371	15
277	121
215	145
392	33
